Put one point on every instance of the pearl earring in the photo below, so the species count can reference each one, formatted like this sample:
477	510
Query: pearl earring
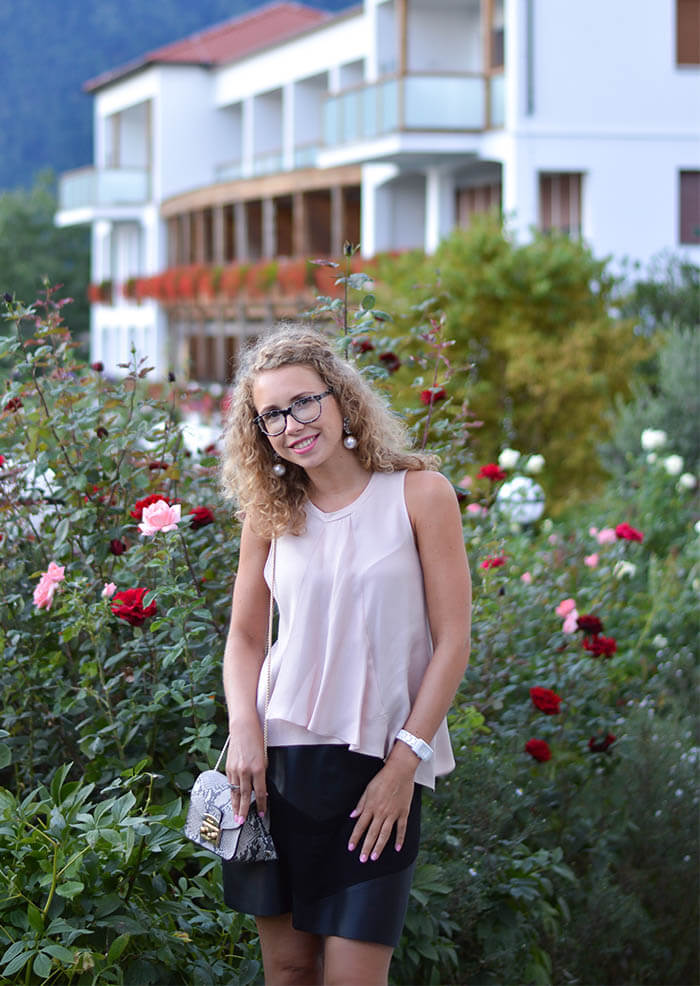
279	468
350	442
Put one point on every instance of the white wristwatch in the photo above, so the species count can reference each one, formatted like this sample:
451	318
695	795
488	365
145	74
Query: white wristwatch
422	750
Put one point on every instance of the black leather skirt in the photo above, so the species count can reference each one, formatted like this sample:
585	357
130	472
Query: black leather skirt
312	790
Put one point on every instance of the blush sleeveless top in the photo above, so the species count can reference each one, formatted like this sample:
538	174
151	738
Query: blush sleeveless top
353	641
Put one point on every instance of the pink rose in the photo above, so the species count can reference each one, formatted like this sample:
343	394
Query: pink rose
43	594
593	531
570	624
565	607
159	516
606	536
591	560
476	508
109	590
526	577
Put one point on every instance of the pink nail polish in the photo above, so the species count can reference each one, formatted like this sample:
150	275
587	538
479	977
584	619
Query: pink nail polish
363	858
261	814
351	846
375	857
398	848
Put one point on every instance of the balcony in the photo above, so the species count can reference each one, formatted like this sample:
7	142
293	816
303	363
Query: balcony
103	188
447	103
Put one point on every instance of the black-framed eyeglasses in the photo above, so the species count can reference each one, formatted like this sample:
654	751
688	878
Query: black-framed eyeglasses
304	410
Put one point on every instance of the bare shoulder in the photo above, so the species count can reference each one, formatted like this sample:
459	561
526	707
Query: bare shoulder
430	496
427	488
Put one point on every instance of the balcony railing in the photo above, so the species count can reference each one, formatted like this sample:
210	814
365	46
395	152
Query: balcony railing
412	102
267	162
100	187
230	171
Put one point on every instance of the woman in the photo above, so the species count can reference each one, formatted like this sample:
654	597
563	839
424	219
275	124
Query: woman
374	595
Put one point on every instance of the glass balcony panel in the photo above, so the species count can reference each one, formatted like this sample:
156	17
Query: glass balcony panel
498	101
305	155
351	116
370	125
331	122
230	171
92	187
267	163
443	103
389	106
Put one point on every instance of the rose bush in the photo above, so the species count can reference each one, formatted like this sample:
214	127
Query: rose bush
568	827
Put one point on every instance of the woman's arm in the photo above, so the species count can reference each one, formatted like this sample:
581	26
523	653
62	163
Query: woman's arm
243	658
437	523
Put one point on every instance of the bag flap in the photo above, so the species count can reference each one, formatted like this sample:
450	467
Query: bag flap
211	794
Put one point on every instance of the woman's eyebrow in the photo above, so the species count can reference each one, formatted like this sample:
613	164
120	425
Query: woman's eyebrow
276	407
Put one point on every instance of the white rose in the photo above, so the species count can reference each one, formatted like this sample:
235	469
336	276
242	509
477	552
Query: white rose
653	438
535	464
508	459
659	641
651	458
624	568
687	481
696	527
673	464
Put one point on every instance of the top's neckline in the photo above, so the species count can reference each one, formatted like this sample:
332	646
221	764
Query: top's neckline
341	511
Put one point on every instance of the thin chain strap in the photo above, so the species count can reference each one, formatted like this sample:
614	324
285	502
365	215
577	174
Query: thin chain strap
268	658
268	647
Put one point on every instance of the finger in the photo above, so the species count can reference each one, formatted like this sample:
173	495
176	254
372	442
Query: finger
376	840
260	786
401	826
360	827
244	802
359	807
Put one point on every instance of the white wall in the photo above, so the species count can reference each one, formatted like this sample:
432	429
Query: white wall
443	38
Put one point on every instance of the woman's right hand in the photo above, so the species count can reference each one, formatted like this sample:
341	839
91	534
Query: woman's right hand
245	769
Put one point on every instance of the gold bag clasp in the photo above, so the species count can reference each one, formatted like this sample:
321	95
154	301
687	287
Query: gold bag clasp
210	829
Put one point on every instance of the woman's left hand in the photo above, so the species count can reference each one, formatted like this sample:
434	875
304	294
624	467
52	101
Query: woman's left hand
386	801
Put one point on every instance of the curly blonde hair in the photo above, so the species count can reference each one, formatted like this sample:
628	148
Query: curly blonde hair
274	504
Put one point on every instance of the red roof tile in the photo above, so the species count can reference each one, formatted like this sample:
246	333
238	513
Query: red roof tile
225	42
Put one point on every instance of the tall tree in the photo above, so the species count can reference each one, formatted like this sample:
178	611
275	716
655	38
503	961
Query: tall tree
33	248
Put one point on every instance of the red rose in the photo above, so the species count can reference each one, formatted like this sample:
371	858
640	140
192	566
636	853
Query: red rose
627	533
158	465
492	472
201	516
539	750
391	362
2	461
494	562
432	394
545	700
14	404
211	449
128	605
362	345
600	646
117	547
98	367
589	623
101	431
137	512
598	745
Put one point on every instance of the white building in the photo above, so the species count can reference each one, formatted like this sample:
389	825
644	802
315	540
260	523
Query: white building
284	132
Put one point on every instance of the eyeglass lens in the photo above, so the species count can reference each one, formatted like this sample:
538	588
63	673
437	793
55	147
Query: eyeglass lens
305	410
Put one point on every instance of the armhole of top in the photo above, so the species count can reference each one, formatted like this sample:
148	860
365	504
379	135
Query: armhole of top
406	512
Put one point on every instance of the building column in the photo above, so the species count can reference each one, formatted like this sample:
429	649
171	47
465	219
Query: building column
337	221
218	233
268	228
376	220
300	237
241	232
439	206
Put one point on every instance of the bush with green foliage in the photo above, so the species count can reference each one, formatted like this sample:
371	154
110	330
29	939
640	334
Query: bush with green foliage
537	356
579	868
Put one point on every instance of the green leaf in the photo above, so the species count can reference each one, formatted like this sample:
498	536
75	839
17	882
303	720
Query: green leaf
70	889
60	952
42	965
368	301
35	918
5	755
61	532
17	963
117	947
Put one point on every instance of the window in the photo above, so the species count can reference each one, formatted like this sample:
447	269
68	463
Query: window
688	32
477	200
690	207
560	202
